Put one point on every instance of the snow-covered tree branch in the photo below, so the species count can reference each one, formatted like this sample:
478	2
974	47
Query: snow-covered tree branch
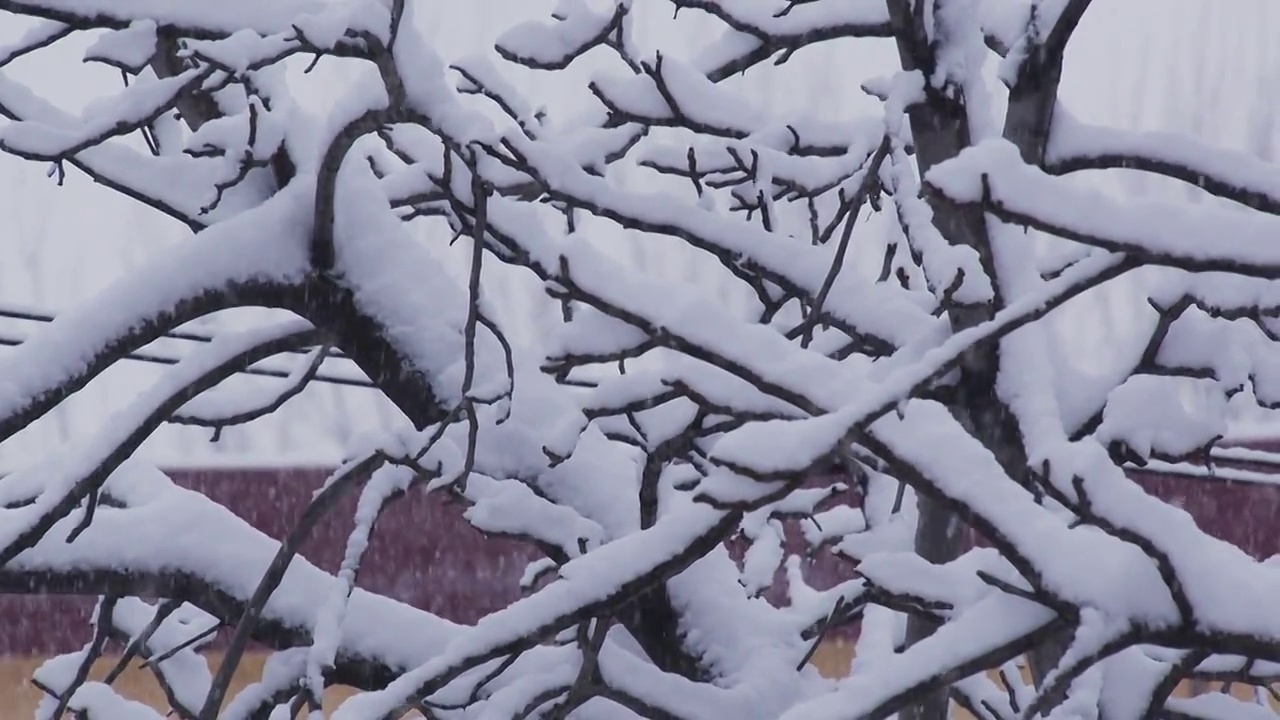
861	357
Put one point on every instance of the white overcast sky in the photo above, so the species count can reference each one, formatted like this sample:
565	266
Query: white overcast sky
1206	67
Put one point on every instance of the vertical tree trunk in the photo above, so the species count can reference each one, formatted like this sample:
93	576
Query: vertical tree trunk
939	539
940	129
1033	98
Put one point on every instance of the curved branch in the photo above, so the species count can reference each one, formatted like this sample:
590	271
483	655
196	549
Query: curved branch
992	177
297	382
75	140
124	435
182	19
101	163
364	340
645	560
111	558
35	391
1228	174
776	34
353	668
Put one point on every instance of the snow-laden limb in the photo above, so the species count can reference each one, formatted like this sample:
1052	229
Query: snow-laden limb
196	21
634	683
1230	174
52	490
757	446
825	315
167	637
718	160
97	701
510	508
44	33
385	483
227	265
1138	543
593	583
1133	683
1182	608
1026	534
953	273
378	259
136	546
753	353
773	17
1200	472
671	93
1095	637
992	631
139	105
1198	406
756	31
128	49
795	268
575	28
171	185
1216	706
281	674
994	177
1032	38
1181	550
218	409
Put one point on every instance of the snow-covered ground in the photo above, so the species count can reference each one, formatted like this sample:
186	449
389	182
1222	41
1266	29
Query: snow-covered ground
1209	68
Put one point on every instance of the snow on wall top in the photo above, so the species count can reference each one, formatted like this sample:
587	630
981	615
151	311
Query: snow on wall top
1201	67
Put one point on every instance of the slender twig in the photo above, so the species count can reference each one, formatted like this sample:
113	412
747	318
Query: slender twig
343	482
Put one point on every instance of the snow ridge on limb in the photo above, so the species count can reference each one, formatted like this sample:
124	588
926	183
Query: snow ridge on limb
192	21
1208	239
227	265
185	566
1233	175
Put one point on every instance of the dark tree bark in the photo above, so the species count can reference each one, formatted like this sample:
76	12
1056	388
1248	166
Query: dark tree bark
651	618
940	129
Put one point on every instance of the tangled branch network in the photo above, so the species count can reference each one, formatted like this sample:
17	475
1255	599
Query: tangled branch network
887	284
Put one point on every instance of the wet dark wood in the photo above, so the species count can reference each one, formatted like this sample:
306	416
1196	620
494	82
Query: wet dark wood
425	554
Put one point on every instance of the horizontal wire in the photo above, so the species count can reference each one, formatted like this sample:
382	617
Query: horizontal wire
161	359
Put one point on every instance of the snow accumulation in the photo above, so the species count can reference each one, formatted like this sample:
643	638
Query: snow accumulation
611	537
53	265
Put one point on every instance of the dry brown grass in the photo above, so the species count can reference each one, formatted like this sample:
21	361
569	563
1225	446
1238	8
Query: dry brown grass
19	698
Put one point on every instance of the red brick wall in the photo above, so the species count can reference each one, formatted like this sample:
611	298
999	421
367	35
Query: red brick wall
425	554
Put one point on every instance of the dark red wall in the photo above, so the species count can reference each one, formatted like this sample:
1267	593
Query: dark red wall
422	553
425	554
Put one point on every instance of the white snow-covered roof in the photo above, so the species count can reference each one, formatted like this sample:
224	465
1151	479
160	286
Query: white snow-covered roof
1205	67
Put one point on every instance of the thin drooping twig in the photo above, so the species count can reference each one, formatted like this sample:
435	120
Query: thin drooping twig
480	191
139	641
865	189
241	416
101	632
155	660
342	483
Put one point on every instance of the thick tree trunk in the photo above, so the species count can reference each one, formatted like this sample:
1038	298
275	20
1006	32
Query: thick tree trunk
940	129
1028	120
939	539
